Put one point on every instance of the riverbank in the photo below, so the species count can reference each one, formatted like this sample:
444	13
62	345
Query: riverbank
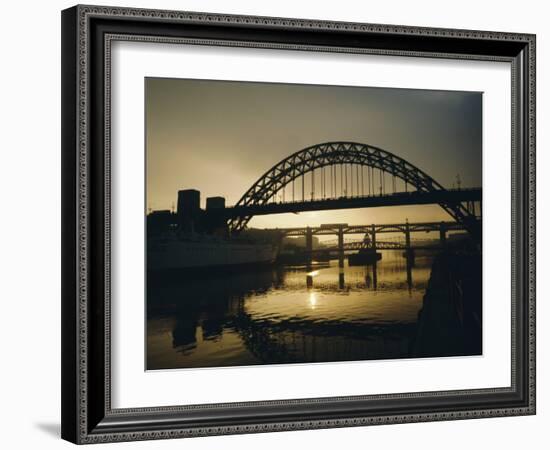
450	321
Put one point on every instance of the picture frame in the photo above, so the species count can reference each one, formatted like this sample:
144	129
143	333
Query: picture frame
87	413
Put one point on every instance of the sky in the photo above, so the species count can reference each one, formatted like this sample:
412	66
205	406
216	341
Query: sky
219	137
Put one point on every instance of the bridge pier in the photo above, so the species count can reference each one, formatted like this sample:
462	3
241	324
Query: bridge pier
374	276
409	252
309	246
340	247
375	254
341	280
442	235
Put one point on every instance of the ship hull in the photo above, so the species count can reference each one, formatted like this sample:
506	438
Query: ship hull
364	258
192	256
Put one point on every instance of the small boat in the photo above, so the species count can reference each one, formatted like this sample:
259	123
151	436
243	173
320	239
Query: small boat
364	258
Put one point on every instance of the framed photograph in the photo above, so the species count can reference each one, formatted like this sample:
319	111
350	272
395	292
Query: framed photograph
280	224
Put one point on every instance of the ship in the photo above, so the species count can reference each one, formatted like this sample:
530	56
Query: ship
364	258
192	239
173	252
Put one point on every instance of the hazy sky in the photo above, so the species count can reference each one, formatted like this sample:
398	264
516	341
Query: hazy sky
220	137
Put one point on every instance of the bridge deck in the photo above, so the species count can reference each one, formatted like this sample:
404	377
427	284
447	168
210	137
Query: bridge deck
327	230
396	199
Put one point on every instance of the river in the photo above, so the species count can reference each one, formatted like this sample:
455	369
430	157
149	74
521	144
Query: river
286	314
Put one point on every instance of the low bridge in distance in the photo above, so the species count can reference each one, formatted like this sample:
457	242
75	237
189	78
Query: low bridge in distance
370	232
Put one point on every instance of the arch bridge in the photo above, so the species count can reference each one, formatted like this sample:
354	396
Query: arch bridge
335	175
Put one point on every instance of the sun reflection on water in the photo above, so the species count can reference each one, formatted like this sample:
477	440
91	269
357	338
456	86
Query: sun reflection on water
312	300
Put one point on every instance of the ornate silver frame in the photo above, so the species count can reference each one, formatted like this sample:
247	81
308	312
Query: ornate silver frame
88	32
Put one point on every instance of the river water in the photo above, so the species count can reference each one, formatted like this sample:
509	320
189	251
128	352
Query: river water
286	314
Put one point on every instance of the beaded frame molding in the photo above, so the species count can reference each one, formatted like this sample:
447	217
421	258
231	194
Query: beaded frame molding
87	35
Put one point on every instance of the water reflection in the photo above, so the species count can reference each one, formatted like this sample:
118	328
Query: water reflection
283	315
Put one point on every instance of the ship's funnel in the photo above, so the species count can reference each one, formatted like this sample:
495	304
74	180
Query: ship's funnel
189	209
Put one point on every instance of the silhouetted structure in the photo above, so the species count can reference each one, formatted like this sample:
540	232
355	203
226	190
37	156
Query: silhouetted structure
189	217
189	210
159	222
215	223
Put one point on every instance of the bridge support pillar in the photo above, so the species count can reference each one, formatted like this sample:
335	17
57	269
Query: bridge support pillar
340	247
374	276
407	237
374	268
442	235
309	245
409	252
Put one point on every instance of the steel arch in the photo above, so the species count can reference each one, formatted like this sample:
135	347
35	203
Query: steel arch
334	153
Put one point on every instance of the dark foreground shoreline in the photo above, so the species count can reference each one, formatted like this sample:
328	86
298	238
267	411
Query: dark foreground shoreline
450	321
